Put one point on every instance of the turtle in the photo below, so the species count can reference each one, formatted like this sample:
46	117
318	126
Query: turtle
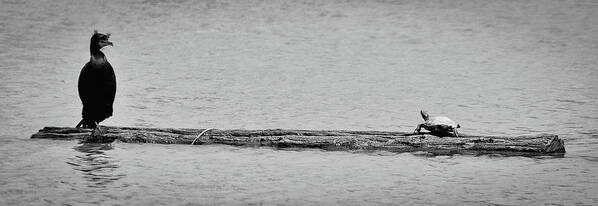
438	125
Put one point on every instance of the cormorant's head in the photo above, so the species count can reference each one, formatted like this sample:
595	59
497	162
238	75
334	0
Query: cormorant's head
100	40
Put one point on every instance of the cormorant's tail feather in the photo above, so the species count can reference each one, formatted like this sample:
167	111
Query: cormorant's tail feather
87	124
79	124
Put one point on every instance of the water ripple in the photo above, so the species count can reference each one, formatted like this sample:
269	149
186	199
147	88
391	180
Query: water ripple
98	168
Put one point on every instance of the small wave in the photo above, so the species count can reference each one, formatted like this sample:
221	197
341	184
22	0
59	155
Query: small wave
589	158
571	101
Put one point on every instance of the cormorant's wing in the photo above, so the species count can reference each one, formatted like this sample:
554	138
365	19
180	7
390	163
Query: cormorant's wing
87	84
108	85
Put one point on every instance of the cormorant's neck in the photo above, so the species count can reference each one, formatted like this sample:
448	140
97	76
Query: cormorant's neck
95	52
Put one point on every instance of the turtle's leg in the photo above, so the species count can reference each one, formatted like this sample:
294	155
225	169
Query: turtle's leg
418	129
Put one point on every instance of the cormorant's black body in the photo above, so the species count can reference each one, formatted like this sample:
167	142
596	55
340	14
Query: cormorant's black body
97	84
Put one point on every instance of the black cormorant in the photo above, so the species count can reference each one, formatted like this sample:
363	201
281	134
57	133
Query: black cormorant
97	84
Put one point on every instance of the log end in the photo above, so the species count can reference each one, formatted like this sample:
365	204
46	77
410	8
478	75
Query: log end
63	133
555	145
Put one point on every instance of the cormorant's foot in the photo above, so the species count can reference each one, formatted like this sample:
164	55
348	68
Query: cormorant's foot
97	131
98	136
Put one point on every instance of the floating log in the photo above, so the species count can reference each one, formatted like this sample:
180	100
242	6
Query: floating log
545	144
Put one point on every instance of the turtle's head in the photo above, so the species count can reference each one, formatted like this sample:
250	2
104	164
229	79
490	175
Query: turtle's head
425	115
458	126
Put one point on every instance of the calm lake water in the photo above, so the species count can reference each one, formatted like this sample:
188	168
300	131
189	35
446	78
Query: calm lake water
496	67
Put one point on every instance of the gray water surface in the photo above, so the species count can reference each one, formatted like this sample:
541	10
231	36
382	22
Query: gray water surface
495	67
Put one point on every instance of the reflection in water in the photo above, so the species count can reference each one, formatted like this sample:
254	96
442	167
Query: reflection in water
98	168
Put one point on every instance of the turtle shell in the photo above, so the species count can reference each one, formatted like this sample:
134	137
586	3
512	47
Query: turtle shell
440	124
440	120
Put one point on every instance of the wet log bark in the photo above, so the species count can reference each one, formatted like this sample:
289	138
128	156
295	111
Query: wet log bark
545	144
